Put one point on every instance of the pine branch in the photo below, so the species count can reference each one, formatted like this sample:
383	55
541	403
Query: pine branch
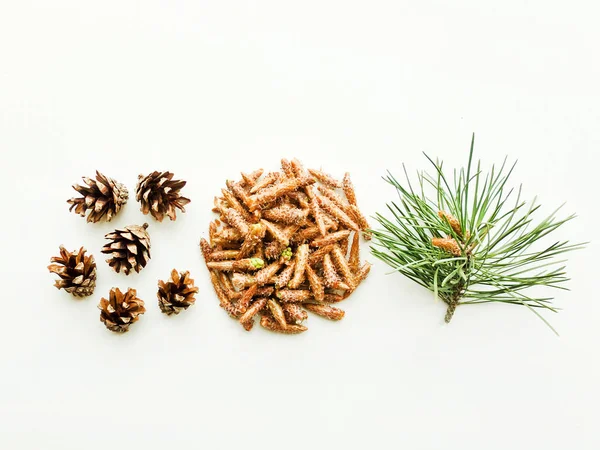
471	239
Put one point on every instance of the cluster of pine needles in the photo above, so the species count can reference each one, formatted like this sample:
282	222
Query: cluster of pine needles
470	238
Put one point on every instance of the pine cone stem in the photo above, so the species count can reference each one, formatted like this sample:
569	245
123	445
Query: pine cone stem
450	311
453	302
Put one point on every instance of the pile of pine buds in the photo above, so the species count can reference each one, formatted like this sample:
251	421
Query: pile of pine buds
285	243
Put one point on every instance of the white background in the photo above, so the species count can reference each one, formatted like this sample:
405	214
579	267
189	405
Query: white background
206	89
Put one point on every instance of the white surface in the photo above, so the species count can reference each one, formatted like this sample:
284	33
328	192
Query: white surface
206	89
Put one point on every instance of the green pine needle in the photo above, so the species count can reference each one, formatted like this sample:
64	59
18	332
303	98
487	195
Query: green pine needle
499	251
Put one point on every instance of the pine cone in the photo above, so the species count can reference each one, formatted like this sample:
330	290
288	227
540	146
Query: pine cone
120	310
129	247
104	197
177	294
77	272
159	195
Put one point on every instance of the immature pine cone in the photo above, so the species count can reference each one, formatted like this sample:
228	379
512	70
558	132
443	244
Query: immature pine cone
104	197
177	294
77	272
129	247
159	195
120	310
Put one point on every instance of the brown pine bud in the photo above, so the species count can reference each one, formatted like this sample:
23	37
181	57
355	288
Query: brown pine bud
285	276
336	199
294	312
361	221
337	213
243	265
294	295
298	168
278	234
267	181
286	214
316	285
248	180
329	312
277	312
264	275
349	189
277	190
247	296
354	259
206	249
301	263
286	168
307	234
331	238
233	202
325	178
253	310
242	280
272	325
334	298
236	220
300	198
317	256
256	233
342	266
224	255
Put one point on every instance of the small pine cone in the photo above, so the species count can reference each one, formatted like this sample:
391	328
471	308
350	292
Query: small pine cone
120	310
103	196
177	294
129	247
159	195
77	272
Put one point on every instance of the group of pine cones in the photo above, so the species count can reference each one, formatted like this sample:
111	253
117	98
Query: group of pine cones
128	247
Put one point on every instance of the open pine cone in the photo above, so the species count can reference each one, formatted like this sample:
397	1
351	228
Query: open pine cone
159	195
177	294
120	310
77	272
103	196
129	247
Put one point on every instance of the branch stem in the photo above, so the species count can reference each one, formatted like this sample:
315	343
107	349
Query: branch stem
453	302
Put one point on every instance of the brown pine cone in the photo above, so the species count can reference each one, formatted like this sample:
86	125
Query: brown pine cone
129	247
159	195
77	272
104	197
120	310
177	294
